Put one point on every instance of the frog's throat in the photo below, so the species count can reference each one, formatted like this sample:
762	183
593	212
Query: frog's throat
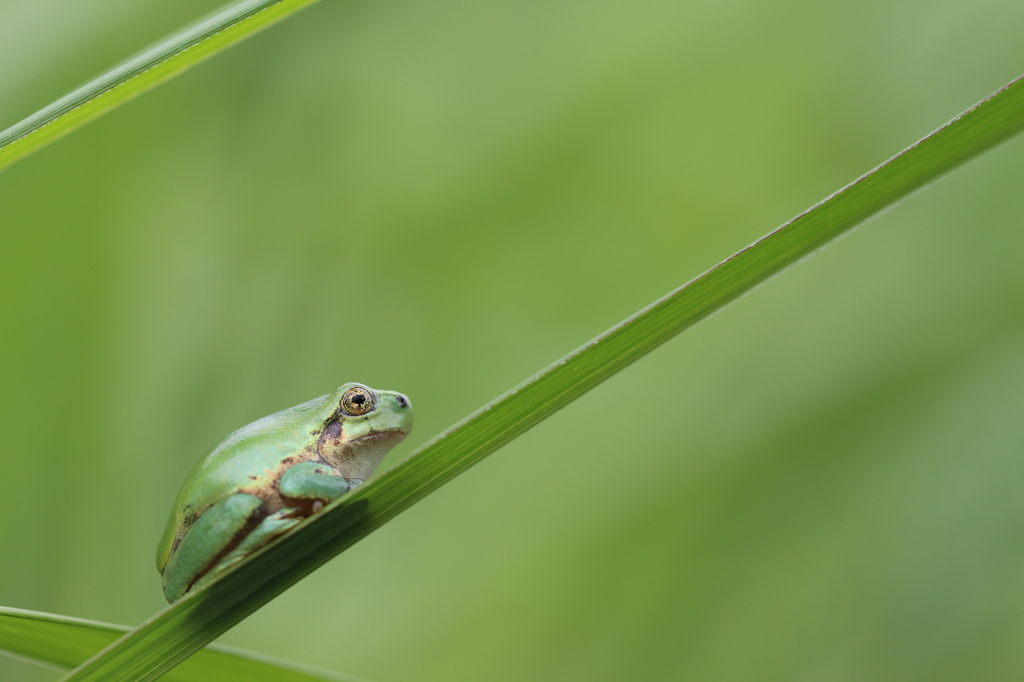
359	458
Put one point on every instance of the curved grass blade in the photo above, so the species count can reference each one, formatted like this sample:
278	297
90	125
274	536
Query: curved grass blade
62	642
165	60
185	627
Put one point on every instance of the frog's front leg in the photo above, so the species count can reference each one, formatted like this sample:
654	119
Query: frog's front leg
310	483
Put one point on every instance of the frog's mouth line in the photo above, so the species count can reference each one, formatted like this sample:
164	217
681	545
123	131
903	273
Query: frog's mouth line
379	435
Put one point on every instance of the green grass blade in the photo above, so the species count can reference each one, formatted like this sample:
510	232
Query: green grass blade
165	60
63	642
181	629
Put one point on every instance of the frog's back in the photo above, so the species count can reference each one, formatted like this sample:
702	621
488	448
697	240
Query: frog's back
250	460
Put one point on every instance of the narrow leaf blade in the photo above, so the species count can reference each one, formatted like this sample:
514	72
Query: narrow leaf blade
63	642
165	60
183	628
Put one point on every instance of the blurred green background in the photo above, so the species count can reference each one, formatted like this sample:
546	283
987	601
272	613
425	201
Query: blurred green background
823	482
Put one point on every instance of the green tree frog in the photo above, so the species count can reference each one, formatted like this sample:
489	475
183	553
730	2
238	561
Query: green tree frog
266	477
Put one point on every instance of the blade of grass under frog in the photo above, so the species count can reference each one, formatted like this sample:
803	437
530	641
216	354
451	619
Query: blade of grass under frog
185	627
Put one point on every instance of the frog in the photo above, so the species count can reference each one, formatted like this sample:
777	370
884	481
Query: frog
267	477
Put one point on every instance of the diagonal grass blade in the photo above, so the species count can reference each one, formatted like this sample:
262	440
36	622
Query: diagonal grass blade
185	627
154	66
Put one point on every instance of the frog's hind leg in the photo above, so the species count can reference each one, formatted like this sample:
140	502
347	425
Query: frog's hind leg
215	531
307	486
271	527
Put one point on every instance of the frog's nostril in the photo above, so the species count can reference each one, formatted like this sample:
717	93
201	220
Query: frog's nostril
402	400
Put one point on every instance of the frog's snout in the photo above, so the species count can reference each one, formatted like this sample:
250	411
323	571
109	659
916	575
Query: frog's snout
399	409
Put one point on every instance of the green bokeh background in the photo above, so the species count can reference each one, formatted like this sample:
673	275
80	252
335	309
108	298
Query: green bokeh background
822	482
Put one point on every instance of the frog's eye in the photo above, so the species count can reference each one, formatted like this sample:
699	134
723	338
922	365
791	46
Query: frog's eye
357	401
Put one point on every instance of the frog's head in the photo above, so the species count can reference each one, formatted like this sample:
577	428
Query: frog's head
361	426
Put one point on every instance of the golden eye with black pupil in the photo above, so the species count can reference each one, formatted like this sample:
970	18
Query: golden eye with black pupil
357	401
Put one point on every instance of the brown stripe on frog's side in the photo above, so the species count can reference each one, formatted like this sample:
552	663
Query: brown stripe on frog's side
266	487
